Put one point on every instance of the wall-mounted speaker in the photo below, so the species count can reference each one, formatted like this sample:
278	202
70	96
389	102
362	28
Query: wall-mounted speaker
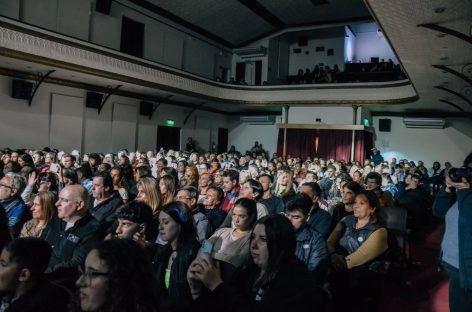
145	108
302	41
385	125
103	6
93	100
21	89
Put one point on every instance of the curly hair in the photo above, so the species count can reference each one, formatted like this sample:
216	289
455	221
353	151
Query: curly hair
132	286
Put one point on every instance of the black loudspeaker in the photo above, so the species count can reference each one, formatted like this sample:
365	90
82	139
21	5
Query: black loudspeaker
385	125
302	41
145	108
21	89
93	100
103	6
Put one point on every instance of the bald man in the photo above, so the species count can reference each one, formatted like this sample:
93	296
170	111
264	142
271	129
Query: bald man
73	232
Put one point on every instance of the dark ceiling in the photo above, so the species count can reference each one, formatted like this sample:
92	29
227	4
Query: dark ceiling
236	23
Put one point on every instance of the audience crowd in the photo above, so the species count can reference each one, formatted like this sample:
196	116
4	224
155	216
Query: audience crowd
182	231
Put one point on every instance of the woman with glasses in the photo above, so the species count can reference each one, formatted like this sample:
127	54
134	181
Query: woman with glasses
171	261
118	276
43	210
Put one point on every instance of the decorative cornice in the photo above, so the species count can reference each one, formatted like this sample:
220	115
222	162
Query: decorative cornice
29	46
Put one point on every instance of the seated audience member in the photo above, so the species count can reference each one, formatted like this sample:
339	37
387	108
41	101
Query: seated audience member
134	218
346	206
120	184
23	286
251	189
167	186
5	233
356	246
85	175
327	182
73	232
189	196
211	207
231	189
319	219
284	187
273	280
412	197
205	180
117	277
105	201
172	260
273	203
148	192
43	210
231	244
311	245
373	182
191	175
388	185
11	187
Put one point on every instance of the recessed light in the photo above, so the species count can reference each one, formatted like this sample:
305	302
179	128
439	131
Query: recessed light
439	10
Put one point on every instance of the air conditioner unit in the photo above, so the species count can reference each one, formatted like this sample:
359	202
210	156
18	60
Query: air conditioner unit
251	52
426	123
258	120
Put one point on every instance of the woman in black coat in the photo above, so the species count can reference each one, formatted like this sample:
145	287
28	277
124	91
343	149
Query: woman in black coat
274	280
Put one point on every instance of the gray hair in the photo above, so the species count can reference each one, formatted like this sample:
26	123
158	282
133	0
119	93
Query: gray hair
17	182
192	191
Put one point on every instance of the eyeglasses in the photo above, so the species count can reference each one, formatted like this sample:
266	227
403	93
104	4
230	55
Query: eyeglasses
87	276
4	185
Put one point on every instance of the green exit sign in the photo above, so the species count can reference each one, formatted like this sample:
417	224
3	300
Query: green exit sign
366	122
170	123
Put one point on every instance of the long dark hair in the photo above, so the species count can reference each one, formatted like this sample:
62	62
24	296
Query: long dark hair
281	244
181	214
132	285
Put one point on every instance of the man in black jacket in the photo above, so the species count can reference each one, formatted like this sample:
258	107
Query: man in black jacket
105	201
73	232
22	283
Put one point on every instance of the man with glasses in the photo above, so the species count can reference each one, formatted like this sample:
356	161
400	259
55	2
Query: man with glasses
22	283
189	196
11	187
73	232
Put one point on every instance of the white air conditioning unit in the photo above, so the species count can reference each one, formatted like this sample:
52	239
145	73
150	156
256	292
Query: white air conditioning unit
258	120
251	52
426	123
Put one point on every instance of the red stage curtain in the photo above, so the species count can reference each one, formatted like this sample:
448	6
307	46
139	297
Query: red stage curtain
364	143
300	142
335	144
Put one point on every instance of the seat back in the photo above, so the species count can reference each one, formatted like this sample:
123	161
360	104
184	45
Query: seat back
395	220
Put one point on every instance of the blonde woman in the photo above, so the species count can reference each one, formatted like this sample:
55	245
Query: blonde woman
43	211
284	188
148	193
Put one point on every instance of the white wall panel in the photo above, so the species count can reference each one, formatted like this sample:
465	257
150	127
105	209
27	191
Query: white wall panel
66	122
123	127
